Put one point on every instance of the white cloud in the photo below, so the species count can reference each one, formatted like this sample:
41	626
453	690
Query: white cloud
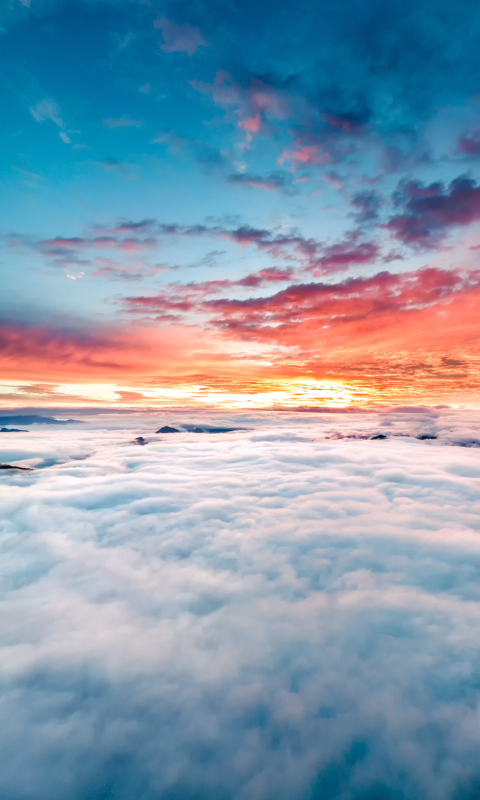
263	614
122	122
47	109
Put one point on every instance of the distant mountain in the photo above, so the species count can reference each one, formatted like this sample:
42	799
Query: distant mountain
10	466
23	419
210	429
167	429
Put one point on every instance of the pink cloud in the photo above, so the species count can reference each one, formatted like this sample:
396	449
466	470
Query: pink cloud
257	103
303	154
345	254
348	325
185	298
251	124
398	310
469	145
61	241
52	352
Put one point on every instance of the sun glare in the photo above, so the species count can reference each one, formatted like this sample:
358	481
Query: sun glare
272	394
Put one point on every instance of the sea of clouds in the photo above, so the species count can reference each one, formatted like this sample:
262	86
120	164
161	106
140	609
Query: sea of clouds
285	612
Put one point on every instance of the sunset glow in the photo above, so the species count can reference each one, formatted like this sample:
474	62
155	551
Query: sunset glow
203	227
283	394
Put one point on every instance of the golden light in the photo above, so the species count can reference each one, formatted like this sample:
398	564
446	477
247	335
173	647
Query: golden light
277	393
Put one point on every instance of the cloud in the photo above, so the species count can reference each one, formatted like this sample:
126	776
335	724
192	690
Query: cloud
318	306
348	319
367	205
142	236
389	327
181	38
270	183
67	251
265	276
57	351
122	122
340	74
346	254
200	151
260	614
430	212
190	297
302	155
114	165
48	110
469	145
349	121
387	336
132	236
106	268
256	101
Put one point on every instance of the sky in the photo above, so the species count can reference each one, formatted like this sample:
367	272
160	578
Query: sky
289	611
239	204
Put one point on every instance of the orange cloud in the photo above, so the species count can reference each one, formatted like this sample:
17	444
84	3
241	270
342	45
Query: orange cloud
397	335
55	353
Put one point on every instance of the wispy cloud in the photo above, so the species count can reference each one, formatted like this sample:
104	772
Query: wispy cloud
122	122
48	110
183	38
276	182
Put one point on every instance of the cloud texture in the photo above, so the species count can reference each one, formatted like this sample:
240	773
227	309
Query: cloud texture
268	613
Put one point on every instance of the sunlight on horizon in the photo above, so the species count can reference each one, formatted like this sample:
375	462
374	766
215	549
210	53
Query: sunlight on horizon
279	393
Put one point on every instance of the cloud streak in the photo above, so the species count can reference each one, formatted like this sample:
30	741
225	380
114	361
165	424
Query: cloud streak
146	236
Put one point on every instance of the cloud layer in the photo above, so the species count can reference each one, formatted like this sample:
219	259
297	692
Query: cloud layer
262	614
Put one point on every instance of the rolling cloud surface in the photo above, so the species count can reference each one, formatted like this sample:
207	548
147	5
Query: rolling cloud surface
275	613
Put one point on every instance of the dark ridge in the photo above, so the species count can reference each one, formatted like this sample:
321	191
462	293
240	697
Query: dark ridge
378	436
167	429
427	436
35	419
139	440
12	430
209	429
9	466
